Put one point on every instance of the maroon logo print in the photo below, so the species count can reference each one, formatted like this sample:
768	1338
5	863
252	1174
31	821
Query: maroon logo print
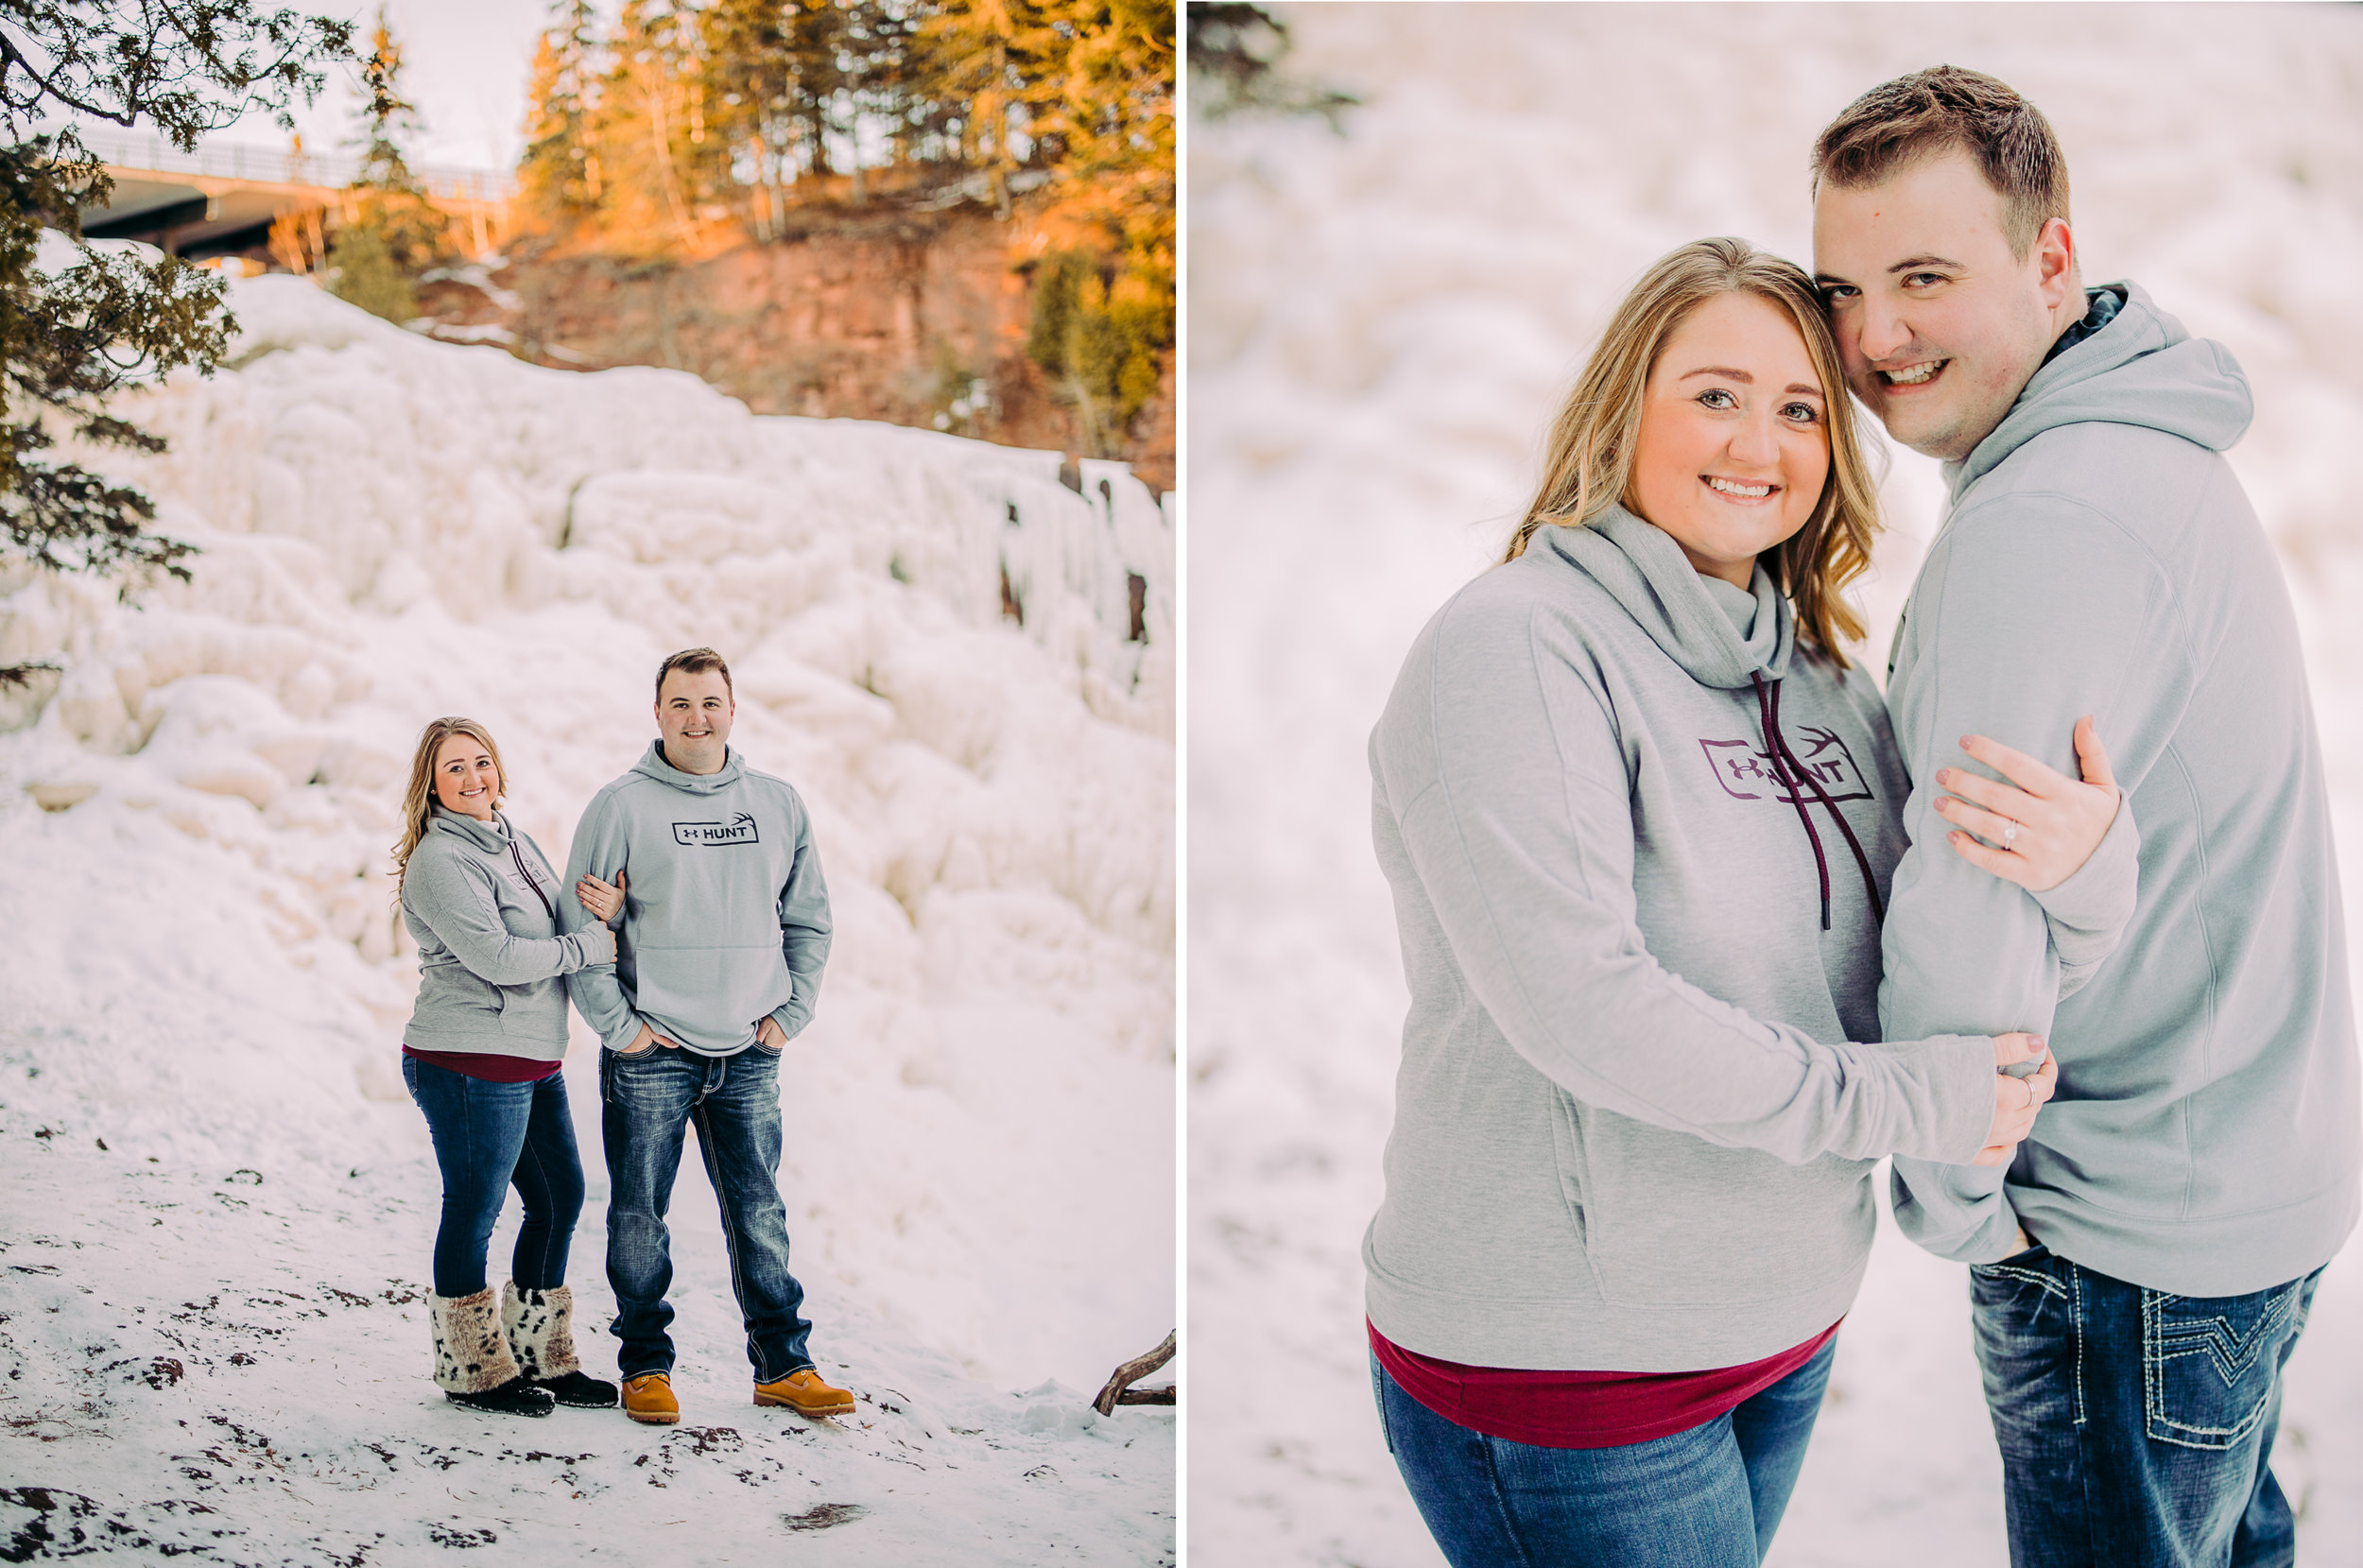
1748	774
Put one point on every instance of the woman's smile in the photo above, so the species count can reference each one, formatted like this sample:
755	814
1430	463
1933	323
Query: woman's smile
1739	493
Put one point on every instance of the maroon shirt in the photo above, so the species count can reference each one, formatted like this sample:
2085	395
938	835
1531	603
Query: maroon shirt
491	1069
1555	1409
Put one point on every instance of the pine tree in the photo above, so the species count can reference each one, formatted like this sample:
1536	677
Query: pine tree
383	166
649	131
1104	318
1113	126
752	92
393	232
1235	48
560	176
882	70
746	105
994	58
816	45
72	338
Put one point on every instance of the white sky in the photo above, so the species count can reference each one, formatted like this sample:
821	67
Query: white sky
466	63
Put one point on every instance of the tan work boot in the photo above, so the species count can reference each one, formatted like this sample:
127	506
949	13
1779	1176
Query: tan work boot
805	1393
649	1398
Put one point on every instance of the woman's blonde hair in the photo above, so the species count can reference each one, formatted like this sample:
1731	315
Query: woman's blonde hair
420	796
1589	465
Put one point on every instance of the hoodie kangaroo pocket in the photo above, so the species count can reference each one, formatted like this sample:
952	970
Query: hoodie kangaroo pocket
461	1000
1577	1189
719	990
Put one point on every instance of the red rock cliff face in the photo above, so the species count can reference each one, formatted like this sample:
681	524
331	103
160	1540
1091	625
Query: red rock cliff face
892	315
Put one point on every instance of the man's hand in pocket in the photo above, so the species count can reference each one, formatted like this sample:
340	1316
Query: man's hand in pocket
645	1041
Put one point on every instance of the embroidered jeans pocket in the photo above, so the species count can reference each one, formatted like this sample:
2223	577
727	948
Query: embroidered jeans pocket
2210	1365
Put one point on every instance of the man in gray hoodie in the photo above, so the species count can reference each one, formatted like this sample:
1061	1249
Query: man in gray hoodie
2145	1265
725	932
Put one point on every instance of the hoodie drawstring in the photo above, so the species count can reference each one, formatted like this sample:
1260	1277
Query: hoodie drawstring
1862	861
1785	763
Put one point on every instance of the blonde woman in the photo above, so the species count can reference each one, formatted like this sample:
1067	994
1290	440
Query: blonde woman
482	1054
1639	814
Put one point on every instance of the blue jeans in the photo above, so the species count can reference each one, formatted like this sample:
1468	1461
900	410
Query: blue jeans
487	1137
1709	1497
2136	1427
644	1103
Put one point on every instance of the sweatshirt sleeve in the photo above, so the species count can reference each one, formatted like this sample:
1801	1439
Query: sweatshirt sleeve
805	929
2086	915
460	908
1516	822
2034	610
599	845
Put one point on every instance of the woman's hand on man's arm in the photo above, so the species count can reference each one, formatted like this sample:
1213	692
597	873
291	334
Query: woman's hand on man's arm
2016	1099
2041	833
605	900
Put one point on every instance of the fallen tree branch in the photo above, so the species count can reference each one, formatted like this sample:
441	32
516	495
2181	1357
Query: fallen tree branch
1119	1390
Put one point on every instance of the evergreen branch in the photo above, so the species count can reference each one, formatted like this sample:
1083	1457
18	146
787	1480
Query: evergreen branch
68	519
186	68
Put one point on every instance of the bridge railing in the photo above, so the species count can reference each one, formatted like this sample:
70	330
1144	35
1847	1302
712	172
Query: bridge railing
282	167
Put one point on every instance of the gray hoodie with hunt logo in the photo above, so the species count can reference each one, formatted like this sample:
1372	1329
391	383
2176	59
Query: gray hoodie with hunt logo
1639	1101
2099	557
726	917
486	911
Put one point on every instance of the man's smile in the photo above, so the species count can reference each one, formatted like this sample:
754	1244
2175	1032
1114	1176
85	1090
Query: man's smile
1919	373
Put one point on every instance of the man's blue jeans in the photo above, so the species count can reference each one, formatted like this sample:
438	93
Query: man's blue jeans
1709	1497
644	1103
2136	1427
488	1137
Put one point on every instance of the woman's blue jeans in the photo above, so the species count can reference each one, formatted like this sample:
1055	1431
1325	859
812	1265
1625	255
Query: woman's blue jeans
1709	1497
490	1137
2136	1426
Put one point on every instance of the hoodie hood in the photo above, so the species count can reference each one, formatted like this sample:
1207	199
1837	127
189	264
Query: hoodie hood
1646	572
2142	369
491	838
652	764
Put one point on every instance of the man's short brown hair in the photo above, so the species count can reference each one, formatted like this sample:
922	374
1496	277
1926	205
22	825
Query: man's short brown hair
1936	111
694	661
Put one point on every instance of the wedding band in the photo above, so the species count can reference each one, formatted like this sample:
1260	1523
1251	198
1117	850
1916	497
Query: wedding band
2009	833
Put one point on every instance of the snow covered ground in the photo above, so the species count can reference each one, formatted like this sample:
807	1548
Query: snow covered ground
1380	326
220	1203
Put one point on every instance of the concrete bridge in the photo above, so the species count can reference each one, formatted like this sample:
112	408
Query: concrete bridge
222	199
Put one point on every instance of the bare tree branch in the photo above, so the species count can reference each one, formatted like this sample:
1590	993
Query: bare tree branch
1119	1390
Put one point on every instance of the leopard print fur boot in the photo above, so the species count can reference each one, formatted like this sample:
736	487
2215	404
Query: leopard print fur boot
540	1326
473	1363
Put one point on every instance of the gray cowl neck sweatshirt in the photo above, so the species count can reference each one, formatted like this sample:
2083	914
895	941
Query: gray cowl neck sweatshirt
726	915
1640	1099
485	909
2099	557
